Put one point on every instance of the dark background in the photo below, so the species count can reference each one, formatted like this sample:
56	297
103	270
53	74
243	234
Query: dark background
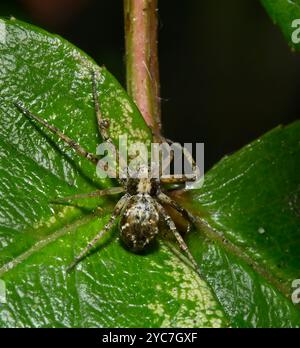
227	74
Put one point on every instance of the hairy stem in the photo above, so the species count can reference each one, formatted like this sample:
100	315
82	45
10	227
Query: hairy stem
142	60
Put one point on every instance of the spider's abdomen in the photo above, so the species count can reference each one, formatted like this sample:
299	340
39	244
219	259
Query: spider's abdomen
139	222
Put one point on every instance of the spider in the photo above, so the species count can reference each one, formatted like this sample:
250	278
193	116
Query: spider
140	208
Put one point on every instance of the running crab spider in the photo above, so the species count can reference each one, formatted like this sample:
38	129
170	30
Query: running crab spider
140	208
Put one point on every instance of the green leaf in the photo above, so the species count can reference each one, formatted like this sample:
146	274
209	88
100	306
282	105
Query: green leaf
112	287
248	212
250	256
284	13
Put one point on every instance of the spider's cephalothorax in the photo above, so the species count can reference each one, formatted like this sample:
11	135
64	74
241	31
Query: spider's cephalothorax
135	185
141	207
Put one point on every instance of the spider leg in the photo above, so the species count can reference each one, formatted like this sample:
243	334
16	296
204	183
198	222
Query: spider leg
164	199
79	150
172	179
157	137
189	158
170	223
98	193
103	123
106	228
164	166
186	153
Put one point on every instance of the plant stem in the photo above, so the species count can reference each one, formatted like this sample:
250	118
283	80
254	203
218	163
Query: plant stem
142	59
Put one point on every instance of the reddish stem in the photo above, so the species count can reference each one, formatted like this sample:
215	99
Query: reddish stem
142	59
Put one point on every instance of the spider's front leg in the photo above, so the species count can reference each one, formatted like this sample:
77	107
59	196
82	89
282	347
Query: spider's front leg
170	223
104	124
118	208
78	149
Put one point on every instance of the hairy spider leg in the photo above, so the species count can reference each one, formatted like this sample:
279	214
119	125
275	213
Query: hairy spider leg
173	179
118	208
158	138
98	193
103	123
170	223
185	152
78	149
